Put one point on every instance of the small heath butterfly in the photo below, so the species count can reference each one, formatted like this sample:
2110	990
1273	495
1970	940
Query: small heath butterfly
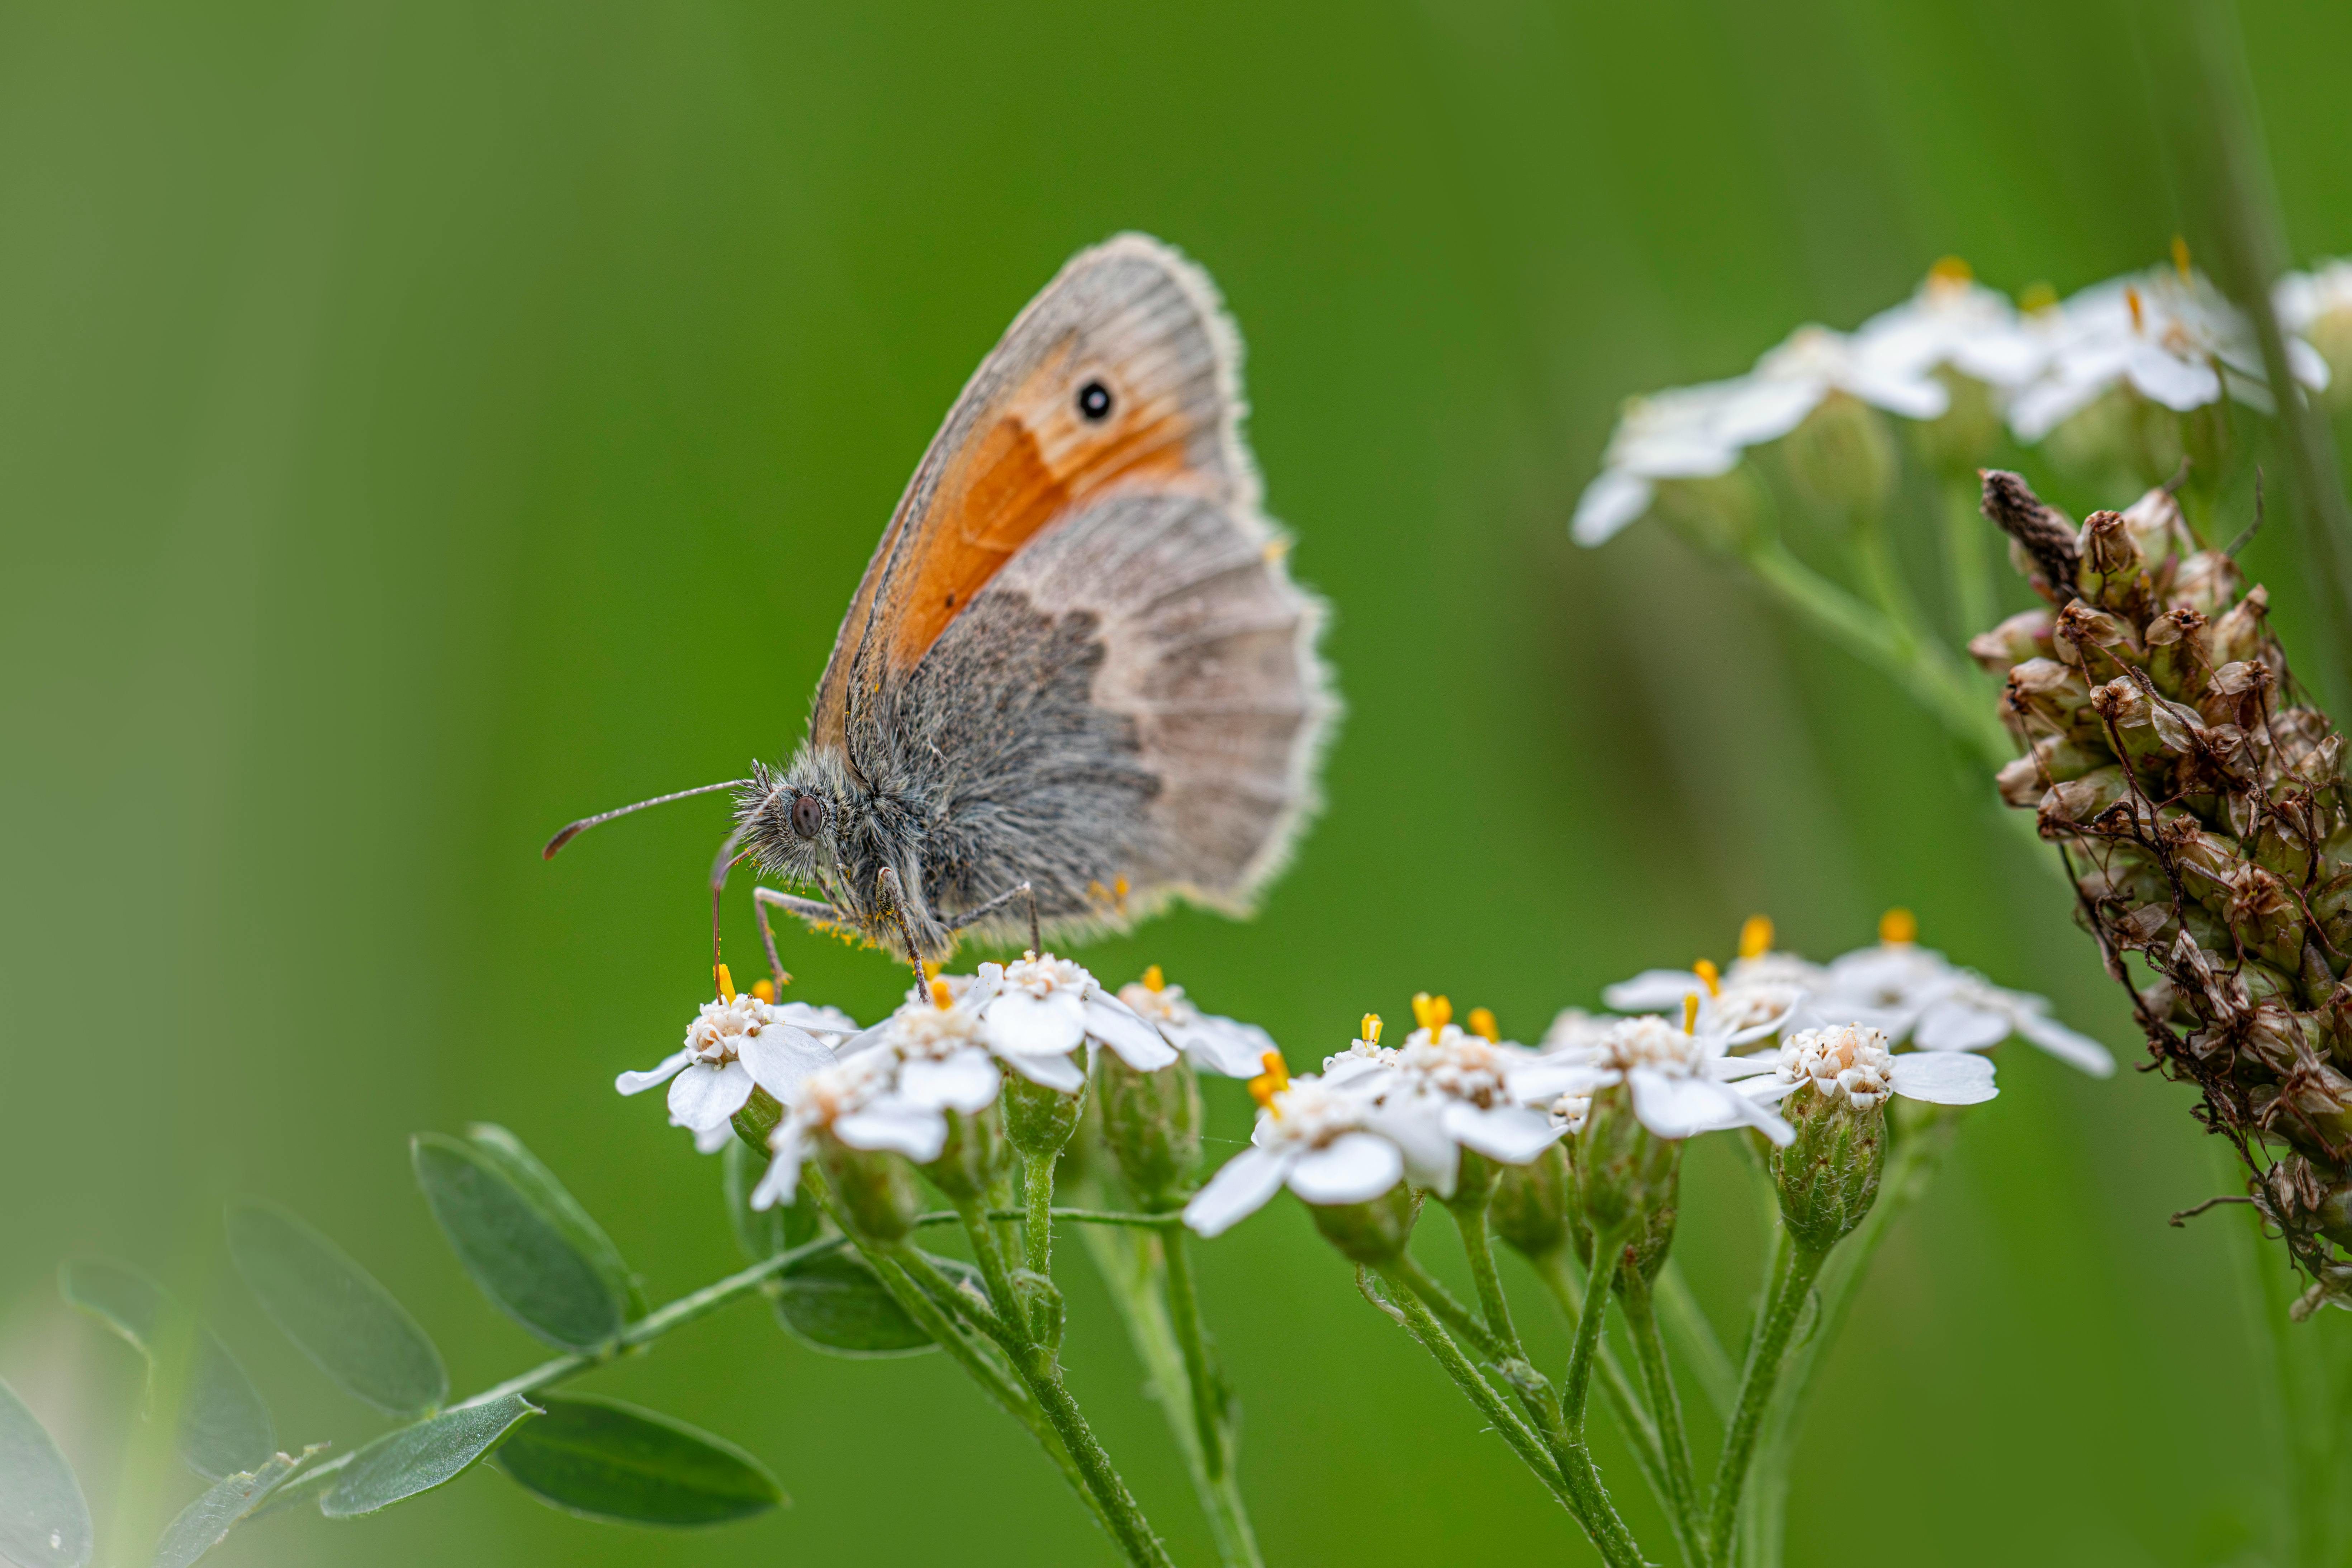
1076	681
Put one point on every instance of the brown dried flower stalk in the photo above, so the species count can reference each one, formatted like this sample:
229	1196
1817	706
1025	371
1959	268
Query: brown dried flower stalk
2199	802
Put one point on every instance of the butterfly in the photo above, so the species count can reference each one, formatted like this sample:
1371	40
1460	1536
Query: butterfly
1076	681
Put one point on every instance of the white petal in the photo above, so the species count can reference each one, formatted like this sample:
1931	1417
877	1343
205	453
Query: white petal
2177	384
1764	410
782	1058
1954	1024
704	1097
784	1174
638	1082
804	1016
1675	1107
1763	1120
1417	1127
2074	1049
1511	1133
1062	1073
1731	1068
1239	1189
1654	991
1609	505
1942	1077
1913	398
1223	1045
864	1041
1356	1168
1023	1025
1138	1044
711	1140
1338	1070
1552	1077
1771	1090
966	1081
914	1130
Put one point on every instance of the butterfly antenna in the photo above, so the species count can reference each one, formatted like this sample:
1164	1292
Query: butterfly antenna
573	830
720	864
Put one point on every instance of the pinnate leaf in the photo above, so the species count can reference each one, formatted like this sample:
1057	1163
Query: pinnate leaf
224	1424
521	1255
834	1303
612	1461
206	1522
400	1465
334	1310
44	1522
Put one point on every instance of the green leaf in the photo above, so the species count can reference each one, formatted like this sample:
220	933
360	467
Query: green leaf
44	1522
588	1238
614	1461
835	1303
399	1465
225	1427
206	1522
517	1252
761	1234
335	1311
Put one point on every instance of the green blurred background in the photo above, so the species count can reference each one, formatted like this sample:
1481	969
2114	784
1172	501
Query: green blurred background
421	423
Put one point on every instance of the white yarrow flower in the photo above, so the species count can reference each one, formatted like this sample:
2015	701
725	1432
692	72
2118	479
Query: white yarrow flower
1681	1080
1040	1009
735	1045
1212	1043
1854	1062
1953	321
1909	992
2304	300
1328	1145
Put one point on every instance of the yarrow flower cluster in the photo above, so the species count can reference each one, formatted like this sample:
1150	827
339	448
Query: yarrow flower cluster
735	1045
2165	334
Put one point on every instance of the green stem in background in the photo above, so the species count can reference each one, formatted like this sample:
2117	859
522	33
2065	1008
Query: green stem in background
2304	1432
1921	665
1666	1406
1792	1273
1439	1300
1191	1340
1683	1317
1126	1264
1914	1159
1970	574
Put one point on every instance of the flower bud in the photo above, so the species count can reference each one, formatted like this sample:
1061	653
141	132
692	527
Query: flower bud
2206	581
1151	1125
973	1157
1530	1209
1645	1251
1622	1169
2026	635
1720	515
2112	567
2180	652
876	1191
1038	1121
1829	1177
1372	1233
1843	455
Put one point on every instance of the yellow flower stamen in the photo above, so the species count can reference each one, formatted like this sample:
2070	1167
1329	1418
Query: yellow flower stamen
1690	1013
1709	976
1482	1023
1271	1082
1898	927
2037	297
1756	936
930	970
2180	256
726	984
940	998
1431	1013
1368	1031
765	990
2131	298
1950	272
1153	979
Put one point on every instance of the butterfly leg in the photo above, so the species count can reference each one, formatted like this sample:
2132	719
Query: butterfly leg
887	884
1024	891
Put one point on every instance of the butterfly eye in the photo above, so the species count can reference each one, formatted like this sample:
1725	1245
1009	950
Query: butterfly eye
808	816
1094	401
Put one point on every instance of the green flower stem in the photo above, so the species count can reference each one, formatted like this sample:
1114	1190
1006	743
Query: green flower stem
1035	1361
2304	1432
1666	1406
1793	1271
1478	1245
1916	1157
1184	1317
1606	1247
1921	665
1451	1312
1037	1229
1680	1313
1531	1449
1640	1432
1126	1264
1964	556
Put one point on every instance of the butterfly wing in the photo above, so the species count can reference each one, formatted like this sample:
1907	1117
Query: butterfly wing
1077	646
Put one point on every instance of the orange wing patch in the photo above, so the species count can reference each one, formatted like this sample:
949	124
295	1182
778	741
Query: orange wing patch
1038	459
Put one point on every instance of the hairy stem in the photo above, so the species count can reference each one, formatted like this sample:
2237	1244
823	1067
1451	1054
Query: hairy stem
1641	1434
1666	1406
1037	1229
1126	1264
1794	1268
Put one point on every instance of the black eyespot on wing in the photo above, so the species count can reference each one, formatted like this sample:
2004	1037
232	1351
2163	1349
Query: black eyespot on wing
808	816
1094	401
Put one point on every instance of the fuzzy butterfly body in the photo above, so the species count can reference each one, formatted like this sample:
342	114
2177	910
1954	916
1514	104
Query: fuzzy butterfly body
1077	660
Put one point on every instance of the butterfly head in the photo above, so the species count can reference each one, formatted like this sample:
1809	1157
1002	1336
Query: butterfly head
792	819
